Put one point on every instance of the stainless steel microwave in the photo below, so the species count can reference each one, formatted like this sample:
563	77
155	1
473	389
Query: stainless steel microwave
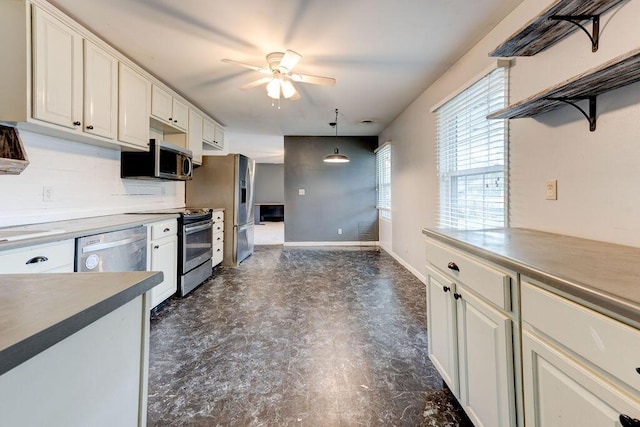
162	161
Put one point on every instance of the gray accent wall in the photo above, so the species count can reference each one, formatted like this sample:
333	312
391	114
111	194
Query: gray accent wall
337	195
269	183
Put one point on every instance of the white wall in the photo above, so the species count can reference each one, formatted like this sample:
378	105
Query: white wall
86	182
597	173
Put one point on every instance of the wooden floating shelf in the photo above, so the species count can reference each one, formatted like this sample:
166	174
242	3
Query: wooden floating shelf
543	31
621	71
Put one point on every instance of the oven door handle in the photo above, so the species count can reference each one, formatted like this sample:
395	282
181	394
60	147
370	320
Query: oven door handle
190	230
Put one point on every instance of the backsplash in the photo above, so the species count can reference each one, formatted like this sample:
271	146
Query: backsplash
77	180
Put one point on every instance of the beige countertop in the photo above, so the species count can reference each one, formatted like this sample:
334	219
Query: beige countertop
40	310
603	276
71	229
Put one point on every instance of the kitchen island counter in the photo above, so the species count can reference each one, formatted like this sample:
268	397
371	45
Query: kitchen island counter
603	276
38	311
75	346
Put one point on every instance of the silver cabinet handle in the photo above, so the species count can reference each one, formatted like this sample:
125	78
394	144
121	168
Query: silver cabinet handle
37	259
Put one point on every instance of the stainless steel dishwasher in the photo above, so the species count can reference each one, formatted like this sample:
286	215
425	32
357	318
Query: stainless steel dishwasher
122	250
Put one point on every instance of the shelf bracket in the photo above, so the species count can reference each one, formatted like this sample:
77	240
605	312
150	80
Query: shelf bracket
594	36
591	116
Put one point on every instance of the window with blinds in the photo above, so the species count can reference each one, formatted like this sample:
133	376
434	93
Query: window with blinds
472	156
383	180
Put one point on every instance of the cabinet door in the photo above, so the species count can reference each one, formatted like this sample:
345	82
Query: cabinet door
559	391
57	72
180	115
441	327
195	136
164	257
486	362
219	136
134	100
100	92
208	131
161	105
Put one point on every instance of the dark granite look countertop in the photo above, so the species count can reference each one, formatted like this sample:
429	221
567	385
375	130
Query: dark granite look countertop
70	229
603	276
40	310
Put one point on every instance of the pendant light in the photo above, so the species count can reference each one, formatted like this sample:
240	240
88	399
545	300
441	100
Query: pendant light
336	157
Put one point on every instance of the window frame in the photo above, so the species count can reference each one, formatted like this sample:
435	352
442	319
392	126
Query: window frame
383	180
472	155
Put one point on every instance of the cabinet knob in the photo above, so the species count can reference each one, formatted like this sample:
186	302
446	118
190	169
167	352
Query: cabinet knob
218	250
452	265
170	119
37	259
90	127
156	247
175	121
638	370
446	288
457	296
627	421
76	123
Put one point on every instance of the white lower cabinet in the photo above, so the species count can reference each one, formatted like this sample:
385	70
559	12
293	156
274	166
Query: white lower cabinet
470	333
56	257
579	366
485	359
163	250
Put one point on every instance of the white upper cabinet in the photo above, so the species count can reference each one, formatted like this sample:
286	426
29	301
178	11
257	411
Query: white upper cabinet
134	100
180	115
59	79
57	72
169	110
213	134
195	136
100	92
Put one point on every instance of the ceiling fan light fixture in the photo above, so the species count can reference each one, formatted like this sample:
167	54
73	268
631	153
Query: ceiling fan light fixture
288	90
336	157
273	89
289	60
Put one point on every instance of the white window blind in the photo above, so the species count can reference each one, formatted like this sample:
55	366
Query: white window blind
472	156
383	180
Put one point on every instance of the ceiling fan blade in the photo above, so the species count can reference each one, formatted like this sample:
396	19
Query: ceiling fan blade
314	80
256	83
249	66
288	61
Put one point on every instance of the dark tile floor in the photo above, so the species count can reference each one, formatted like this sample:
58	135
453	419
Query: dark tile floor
298	337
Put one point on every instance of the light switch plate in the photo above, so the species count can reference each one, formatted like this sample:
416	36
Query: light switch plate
552	189
301	192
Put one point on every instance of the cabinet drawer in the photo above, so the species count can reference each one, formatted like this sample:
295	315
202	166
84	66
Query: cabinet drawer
218	216
607	343
218	227
486	280
218	237
218	253
164	228
44	258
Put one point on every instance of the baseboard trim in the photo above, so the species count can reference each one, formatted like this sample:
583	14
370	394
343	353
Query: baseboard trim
372	243
406	265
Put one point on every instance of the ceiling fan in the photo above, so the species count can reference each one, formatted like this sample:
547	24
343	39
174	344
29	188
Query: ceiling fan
279	79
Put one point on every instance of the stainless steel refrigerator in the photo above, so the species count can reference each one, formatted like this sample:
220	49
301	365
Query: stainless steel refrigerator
227	182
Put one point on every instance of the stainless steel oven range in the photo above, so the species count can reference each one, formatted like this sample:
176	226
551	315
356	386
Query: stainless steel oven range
195	247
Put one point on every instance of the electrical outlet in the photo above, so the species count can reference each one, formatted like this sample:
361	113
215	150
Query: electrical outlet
552	189
339	230
301	192
47	194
